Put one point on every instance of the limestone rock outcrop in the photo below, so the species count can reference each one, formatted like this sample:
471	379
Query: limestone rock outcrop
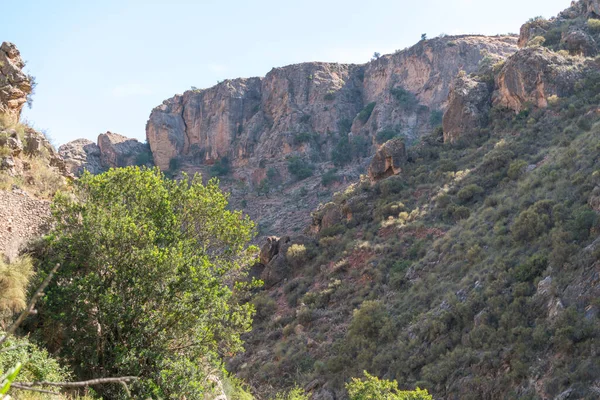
532	75
469	102
81	155
120	151
256	119
15	85
426	72
579	42
388	160
112	151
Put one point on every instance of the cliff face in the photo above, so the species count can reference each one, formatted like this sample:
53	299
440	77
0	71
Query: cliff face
426	71
532	76
249	120
15	85
253	118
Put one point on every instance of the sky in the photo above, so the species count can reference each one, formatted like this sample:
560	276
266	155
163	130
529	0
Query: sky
104	65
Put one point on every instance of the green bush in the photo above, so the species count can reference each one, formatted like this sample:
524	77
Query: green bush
265	306
496	159
385	135
404	97
536	41
516	169
149	252
469	192
436	117
373	388
303	137
360	146
344	125
531	269
294	394
300	168
329	96
584	219
593	25
530	224
174	165
297	255
37	364
329	177
341	154
144	158
221	167
364	115
369	320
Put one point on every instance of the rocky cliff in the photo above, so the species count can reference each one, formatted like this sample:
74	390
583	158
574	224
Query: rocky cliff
256	119
15	85
30	168
325	118
112	151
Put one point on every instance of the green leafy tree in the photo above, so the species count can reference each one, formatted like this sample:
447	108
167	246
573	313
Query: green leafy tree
294	394
263	188
373	388
149	283
300	168
221	167
342	152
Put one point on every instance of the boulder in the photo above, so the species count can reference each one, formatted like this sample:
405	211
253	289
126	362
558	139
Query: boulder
7	163
11	140
593	8
81	155
578	42
331	216
269	250
469	102
119	151
388	160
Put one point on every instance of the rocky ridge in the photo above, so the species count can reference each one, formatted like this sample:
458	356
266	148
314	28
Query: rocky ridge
256	119
112	151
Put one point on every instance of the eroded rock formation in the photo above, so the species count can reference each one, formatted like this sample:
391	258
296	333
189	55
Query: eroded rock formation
532	75
468	107
388	160
81	155
15	85
112	151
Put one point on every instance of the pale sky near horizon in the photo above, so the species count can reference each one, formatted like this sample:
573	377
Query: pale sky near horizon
103	65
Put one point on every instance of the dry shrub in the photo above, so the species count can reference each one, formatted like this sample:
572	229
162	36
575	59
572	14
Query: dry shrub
14	279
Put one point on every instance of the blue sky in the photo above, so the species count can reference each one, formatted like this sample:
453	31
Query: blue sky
103	65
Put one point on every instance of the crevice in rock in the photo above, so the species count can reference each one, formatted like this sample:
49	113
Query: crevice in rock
187	142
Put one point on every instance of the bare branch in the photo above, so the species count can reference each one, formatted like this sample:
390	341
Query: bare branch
91	382
38	293
19	387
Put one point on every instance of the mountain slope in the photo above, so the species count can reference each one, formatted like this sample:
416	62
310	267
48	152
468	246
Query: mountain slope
473	270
